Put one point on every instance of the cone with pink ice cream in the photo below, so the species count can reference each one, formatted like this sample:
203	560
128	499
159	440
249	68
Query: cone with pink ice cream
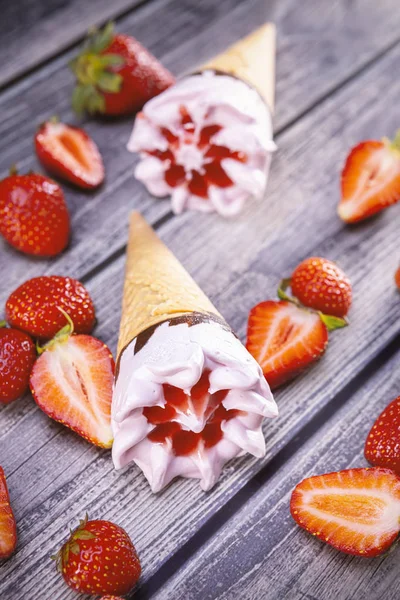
207	141
188	396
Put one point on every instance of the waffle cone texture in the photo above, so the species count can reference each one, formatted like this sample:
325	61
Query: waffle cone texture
253	60
157	287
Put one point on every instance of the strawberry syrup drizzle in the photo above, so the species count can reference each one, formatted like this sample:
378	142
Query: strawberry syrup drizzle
212	172
186	442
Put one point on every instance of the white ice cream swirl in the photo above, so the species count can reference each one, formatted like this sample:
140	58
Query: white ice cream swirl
206	142
189	400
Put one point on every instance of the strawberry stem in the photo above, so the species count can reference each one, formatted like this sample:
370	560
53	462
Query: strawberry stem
61	336
3	324
282	295
13	170
70	323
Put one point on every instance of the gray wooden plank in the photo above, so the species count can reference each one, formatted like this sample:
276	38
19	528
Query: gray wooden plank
261	553
49	499
32	32
308	50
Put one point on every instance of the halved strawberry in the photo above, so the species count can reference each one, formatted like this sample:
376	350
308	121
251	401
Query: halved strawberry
72	383
382	447
356	511
370	179
284	339
8	530
70	153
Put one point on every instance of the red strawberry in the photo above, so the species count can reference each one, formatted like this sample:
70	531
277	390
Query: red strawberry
356	511
116	75
68	152
382	447
35	306
8	529
72	383
370	179
111	598
397	278
33	215
284	339
99	558
320	284
17	355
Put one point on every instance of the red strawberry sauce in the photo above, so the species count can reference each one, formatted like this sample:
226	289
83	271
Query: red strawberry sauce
205	156
185	442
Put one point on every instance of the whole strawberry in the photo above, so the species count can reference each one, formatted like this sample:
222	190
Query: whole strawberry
35	306
397	278
320	284
33	215
99	558
116	75
17	356
382	447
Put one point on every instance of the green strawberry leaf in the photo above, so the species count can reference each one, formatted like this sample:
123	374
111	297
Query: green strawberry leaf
112	60
83	534
101	39
282	295
333	322
65	555
79	99
74	548
95	102
109	82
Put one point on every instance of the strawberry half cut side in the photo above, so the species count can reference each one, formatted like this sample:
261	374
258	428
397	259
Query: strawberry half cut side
68	152
284	339
72	383
357	511
370	179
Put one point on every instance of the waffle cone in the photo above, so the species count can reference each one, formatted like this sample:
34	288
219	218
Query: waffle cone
157	287
253	60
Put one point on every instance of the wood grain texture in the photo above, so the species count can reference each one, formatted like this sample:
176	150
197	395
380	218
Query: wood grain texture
54	476
32	32
190	34
82	479
262	553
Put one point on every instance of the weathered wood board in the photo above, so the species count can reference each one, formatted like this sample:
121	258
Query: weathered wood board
54	476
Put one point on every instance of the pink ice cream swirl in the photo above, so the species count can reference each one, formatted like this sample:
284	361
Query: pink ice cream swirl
186	402
206	142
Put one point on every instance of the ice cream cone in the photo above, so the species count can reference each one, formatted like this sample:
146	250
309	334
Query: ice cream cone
253	60
157	287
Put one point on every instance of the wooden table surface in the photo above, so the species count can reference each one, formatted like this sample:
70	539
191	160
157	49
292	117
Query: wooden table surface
337	83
